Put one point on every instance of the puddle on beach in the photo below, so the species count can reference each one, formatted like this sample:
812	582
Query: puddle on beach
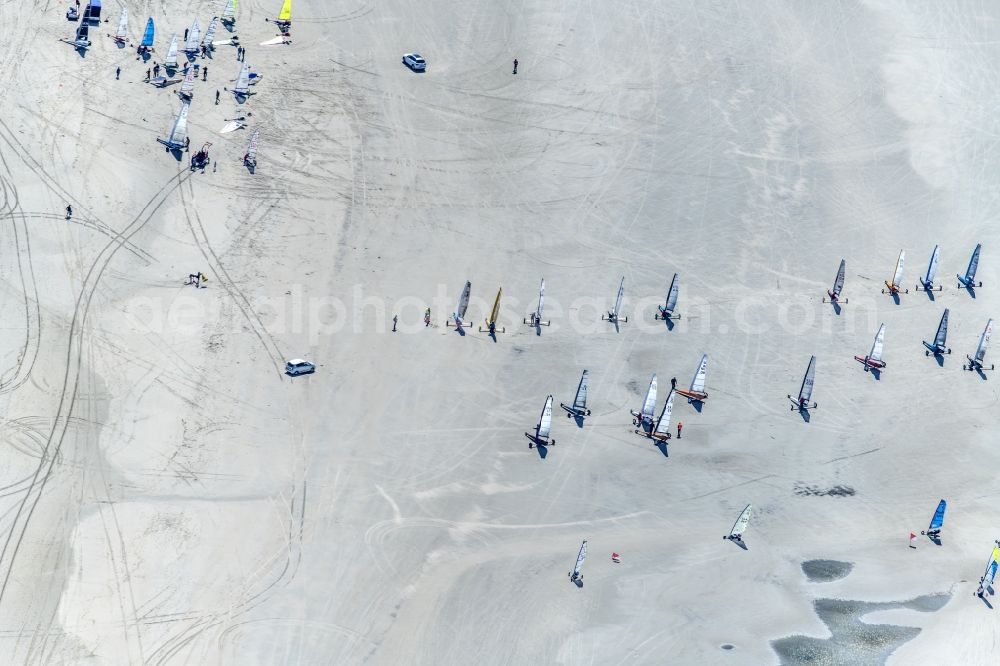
852	641
826	571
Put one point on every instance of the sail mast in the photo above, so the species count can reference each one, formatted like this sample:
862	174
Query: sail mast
662	429
838	282
806	390
178	132
740	526
147	38
242	88
897	274
541	301
210	33
649	404
877	344
285	15
928	281
942	332
194	37
187	87
937	520
171	59
122	31
545	421
581	557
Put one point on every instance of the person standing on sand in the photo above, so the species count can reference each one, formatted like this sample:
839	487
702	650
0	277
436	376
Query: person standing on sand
673	383
217	98
679	426
118	73
515	65
69	212
204	74
395	319
147	73
185	34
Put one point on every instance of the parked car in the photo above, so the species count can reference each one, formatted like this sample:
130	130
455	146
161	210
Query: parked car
415	61
299	367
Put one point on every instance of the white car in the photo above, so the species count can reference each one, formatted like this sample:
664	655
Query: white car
299	367
415	61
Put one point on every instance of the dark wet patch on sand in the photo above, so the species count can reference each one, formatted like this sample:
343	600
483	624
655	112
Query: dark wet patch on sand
852	641
826	571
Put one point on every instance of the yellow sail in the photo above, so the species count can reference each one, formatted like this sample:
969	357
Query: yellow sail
286	11
496	309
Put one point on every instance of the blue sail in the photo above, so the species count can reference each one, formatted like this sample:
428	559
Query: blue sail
938	520
147	39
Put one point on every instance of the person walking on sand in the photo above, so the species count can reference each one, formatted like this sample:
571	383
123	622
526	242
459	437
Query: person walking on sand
69	212
118	73
673	383
217	98
156	69
204	74
515	65
147	73
185	34
679	426
427	317
394	320
187	143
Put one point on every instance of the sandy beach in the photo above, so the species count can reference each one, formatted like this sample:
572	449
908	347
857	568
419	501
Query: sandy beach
171	496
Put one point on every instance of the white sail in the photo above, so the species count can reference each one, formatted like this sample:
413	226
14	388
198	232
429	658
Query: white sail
580	401
541	301
672	294
984	340
897	275
806	391
838	283
545	422
942	332
210	32
194	37
122	25
649	404
251	156
171	59
230	11
876	352
463	301
580	559
243	81
932	267
663	423
741	523
178	132
618	301
698	382
187	87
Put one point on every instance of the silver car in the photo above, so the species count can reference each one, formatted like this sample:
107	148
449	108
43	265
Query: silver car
299	367
415	62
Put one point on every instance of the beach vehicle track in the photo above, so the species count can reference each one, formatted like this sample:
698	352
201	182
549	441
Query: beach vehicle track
70	383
